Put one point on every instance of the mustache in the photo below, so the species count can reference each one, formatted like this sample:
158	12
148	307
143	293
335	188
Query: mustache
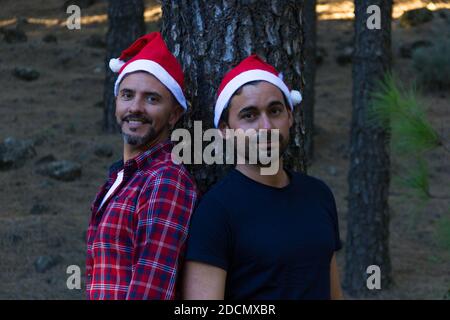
137	117
269	137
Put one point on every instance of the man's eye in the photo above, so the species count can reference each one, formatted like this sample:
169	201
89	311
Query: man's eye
248	116
152	99
126	95
276	111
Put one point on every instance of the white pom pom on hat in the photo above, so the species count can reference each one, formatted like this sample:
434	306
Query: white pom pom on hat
116	64
296	97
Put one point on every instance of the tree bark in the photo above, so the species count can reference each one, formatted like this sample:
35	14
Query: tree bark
368	212
309	27
126	24
210	37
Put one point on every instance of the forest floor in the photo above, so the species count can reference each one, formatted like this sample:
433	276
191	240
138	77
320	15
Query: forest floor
61	112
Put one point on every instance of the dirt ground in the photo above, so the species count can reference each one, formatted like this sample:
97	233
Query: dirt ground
60	111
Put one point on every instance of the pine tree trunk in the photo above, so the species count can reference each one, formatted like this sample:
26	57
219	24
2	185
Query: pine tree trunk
309	25
210	37
126	24
368	213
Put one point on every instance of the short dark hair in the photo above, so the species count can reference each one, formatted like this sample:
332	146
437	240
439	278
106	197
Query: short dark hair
224	117
174	100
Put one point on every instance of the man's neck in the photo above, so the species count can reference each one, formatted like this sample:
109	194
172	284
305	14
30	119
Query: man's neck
278	180
130	151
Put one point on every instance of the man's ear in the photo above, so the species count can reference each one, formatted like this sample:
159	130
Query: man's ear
175	115
290	116
115	104
223	126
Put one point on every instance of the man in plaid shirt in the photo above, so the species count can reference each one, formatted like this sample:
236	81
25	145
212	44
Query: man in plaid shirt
140	217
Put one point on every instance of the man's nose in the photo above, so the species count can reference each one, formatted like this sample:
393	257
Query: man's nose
137	105
265	122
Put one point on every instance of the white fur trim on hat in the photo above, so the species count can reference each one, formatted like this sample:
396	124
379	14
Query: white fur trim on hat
296	97
243	78
116	64
159	72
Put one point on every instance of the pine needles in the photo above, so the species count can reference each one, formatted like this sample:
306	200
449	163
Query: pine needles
399	110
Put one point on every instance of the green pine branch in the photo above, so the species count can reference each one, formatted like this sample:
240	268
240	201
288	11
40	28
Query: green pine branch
400	111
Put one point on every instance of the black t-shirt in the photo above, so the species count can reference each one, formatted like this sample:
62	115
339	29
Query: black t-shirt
274	243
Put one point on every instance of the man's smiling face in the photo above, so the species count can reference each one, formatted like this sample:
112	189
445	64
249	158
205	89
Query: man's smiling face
145	109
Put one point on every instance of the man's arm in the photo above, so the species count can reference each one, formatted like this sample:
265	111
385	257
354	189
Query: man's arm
335	284
203	282
163	219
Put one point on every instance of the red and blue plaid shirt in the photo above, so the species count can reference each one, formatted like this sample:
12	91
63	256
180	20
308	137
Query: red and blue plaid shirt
136	240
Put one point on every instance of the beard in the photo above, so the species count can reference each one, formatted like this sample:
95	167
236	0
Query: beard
139	140
134	139
283	144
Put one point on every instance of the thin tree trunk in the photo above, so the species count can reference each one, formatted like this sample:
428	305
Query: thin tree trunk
368	212
309	25
210	37
126	24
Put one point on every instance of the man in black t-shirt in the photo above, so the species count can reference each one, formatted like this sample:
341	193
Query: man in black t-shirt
256	236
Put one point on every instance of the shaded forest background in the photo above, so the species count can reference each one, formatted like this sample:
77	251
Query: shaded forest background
51	106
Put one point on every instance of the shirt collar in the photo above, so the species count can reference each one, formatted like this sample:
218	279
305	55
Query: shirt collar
116	167
144	158
153	152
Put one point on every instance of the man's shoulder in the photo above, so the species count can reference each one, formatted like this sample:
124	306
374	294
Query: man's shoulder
312	183
166	171
308	179
226	183
223	193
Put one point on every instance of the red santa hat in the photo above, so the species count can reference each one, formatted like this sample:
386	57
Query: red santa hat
149	53
250	69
